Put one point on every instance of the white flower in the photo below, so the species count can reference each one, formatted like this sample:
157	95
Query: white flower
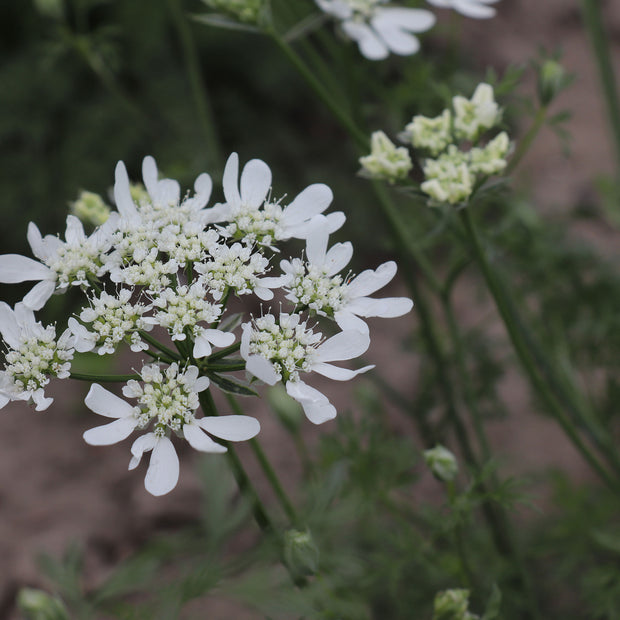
475	115
315	285
280	349
62	264
254	218
379	30
169	399
386	161
478	9
33	357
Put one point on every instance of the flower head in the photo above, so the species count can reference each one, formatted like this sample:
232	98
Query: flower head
475	115
430	134
386	161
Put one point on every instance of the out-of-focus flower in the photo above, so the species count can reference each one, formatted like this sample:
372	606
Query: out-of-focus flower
90	208
478	9
379	29
475	115
430	134
386	161
442	463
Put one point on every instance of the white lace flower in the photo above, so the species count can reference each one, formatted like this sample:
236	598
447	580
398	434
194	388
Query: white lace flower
280	349
315	285
62	264
478	9
378	29
256	219
168	399
113	319
34	356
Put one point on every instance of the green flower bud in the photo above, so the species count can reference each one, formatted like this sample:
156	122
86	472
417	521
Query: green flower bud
492	158
386	161
452	605
90	208
39	605
246	11
448	178
552	78
138	193
475	115
300	553
430	134
442	463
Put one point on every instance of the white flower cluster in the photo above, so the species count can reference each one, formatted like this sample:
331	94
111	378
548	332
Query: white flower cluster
453	161
167	264
380	29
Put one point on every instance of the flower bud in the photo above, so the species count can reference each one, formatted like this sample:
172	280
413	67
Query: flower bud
386	161
39	605
552	78
452	605
246	11
300	553
442	463
50	8
90	208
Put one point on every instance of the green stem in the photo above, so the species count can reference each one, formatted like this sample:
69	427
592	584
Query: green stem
591	10
224	352
197	85
268	469
524	355
526	142
81	376
159	346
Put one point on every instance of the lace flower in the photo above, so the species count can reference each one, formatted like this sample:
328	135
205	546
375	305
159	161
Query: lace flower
280	349
378	29
168	399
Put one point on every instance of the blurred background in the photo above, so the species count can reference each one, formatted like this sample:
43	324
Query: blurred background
85	83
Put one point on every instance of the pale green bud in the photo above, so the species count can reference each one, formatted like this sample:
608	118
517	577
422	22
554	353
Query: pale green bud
246	11
431	134
475	115
442	463
50	8
448	178
552	78
386	161
492	158
301	553
90	208
39	605
138	193
452	605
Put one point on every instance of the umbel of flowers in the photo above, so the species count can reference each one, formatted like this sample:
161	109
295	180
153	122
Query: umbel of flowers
455	149
158	275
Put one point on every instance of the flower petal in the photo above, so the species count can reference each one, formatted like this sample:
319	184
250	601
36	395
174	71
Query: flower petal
371	280
202	347
142	444
414	20
39	294
255	183
163	472
122	195
231	427
316	406
261	369
9	328
230	181
105	403
339	374
203	187
370	45
311	201
474	9
199	441
110	433
15	268
347	321
38	246
218	337
316	241
343	346
74	233
387	307
338	257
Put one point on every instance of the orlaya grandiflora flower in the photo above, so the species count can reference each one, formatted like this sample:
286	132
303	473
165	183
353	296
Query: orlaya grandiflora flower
251	215
478	9
280	349
169	399
62	264
316	285
378	29
33	357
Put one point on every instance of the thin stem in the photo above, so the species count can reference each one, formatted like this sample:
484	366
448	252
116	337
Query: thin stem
268	469
81	376
591	10
526	142
524	355
197	84
225	351
158	345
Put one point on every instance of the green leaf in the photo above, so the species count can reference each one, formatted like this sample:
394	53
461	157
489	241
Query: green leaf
221	21
494	604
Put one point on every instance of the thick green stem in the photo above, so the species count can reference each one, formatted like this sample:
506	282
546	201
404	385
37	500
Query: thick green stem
159	346
524	355
80	376
526	142
599	40
268	469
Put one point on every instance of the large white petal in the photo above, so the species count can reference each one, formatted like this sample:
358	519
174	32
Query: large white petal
110	433
338	257
122	195
218	337
105	403
74	233
163	472
15	268
311	201
230	180
347	321
371	280
202	347
255	182
142	444
39	294
343	346
316	406
231	427
261	369
369	43
316	242
38	246
339	374
400	41
9	327
414	20
164	192
474	9
387	307
203	187
199	441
